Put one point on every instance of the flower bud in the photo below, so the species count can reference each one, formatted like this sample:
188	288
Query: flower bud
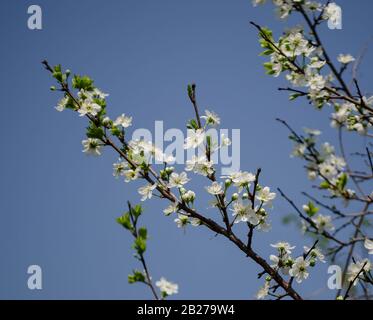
169	170
188	196
106	121
235	196
163	174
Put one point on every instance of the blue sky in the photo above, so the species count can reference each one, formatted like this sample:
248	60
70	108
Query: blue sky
58	207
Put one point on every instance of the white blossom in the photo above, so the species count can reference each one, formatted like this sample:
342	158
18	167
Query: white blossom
332	12
99	94
241	179
118	168
264	225
194	139
368	101
340	117
283	9
299	269
61	105
323	223
258	2
106	121
327	148
265	195
215	188
312	132
355	268
244	213
123	121
263	291
299	150
89	107
131	174
295	44
368	244
311	174
178	180
167	287
283	263
345	58
200	165
181	221
172	208
316	82
283	247
211	118
195	222
327	169
315	253
92	146
188	196
316	63
146	191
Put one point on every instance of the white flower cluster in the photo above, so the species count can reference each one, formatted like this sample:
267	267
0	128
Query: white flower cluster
140	154
242	201
167	288
285	7
297	268
303	61
323	163
323	223
357	269
347	115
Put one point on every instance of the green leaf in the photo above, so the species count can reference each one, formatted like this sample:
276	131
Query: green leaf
312	209
143	233
192	124
95	132
190	91
140	245
82	82
267	32
125	221
57	68
324	185
137	276
115	131
58	76
267	52
294	96
268	66
137	210
342	181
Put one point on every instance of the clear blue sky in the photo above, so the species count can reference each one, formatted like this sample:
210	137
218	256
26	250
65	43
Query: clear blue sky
58	207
